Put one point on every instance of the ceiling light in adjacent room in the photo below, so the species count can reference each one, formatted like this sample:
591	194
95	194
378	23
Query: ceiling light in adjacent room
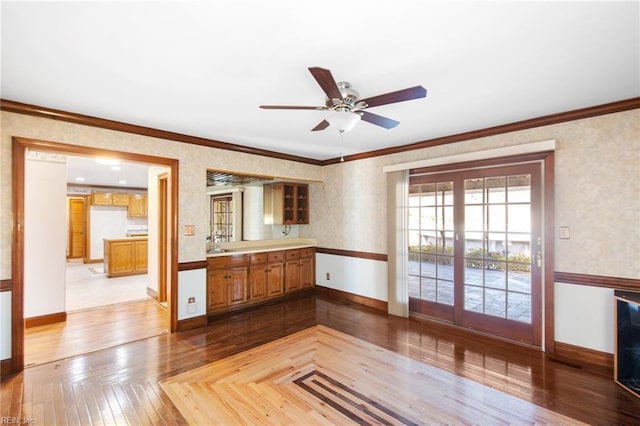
108	161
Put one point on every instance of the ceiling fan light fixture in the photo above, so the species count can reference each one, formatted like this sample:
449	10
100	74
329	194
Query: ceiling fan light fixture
344	121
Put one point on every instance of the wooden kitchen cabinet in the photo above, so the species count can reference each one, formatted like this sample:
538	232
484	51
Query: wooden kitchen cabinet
125	256
275	274
120	199
300	269
292	270
286	203
217	283
267	275
227	281
101	198
307	267
258	276
236	281
137	206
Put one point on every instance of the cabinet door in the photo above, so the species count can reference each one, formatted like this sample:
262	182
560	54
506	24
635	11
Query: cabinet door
275	279
140	261
121	256
137	205
292	275
101	198
302	204
258	281
238	280
307	272
217	289
120	199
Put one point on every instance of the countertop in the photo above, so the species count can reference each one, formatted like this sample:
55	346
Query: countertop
248	247
125	239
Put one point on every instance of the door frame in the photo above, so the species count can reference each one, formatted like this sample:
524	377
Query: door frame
19	150
547	161
162	183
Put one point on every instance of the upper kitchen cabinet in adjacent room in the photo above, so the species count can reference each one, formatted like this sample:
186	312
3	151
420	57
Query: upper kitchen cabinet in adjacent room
99	198
137	205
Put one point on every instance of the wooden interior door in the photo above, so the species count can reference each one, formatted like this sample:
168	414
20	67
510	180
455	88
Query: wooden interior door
77	227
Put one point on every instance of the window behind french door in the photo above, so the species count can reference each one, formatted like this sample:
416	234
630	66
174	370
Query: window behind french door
475	246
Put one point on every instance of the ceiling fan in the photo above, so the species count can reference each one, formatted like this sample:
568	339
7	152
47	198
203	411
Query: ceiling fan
342	98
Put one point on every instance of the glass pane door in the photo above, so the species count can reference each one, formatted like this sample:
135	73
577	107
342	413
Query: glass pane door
474	245
431	238
497	252
499	288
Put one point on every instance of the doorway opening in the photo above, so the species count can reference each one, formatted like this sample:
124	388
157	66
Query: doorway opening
21	147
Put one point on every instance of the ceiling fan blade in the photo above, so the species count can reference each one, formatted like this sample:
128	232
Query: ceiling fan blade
321	126
398	96
292	107
378	120
327	82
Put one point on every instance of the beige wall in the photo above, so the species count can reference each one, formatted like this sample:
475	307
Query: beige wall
194	161
597	187
597	194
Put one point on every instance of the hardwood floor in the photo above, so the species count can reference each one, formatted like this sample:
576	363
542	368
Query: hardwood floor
94	329
120	385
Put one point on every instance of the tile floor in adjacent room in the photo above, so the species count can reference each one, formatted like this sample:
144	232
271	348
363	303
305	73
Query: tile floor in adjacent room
88	287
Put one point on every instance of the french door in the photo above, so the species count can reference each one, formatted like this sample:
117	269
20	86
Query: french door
475	249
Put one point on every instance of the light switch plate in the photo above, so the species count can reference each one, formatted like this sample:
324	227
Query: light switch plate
564	233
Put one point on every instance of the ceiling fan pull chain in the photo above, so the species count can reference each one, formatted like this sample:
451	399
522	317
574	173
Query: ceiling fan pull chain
341	142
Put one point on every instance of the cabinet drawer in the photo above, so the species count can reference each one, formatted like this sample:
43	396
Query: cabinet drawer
227	261
307	252
258	258
276	256
293	254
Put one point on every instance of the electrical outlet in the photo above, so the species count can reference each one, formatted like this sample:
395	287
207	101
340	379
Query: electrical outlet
328	276
192	306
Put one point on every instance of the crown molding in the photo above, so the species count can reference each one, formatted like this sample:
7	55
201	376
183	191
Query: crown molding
577	114
71	117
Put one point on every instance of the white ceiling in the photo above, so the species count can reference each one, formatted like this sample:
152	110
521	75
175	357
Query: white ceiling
88	171
202	68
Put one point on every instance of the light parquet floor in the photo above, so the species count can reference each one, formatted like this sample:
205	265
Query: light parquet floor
320	375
